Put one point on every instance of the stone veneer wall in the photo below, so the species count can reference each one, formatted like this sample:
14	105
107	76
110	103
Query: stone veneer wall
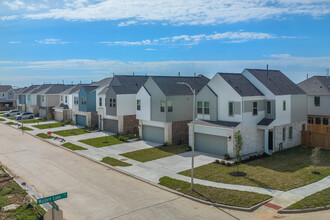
180	132
130	124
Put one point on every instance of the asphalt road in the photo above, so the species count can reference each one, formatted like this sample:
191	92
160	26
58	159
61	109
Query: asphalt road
97	192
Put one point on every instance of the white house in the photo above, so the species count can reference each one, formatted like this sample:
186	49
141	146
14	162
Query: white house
7	96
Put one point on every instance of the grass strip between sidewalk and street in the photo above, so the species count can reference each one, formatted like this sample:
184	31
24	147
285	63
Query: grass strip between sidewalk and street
102	141
10	123
114	162
50	125
71	132
316	200
215	195
73	146
45	136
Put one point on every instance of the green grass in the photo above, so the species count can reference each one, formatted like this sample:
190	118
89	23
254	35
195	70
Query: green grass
71	132
45	136
11	118
319	199
283	170
114	162
26	128
50	125
215	195
1	119
24	213
10	123
154	153
73	146
102	141
32	121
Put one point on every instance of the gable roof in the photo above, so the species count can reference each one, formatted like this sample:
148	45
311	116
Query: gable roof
276	82
5	88
241	84
74	89
89	89
318	85
128	84
103	82
104	91
170	87
40	89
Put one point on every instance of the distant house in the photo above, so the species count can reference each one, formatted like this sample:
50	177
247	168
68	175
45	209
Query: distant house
265	105
164	107
318	99
7	96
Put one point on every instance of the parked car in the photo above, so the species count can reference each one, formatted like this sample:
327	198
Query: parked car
25	115
11	113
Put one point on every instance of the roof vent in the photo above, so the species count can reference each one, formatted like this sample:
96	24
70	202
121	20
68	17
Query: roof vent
267	70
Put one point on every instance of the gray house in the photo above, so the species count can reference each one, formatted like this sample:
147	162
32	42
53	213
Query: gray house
318	99
7	97
164	108
116	104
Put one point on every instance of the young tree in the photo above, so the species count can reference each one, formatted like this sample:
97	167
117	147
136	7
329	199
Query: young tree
238	147
315	157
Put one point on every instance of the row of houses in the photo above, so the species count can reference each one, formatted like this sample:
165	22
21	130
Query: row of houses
268	108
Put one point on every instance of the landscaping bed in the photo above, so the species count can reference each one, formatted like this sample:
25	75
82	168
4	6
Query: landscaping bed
50	125
45	136
102	141
114	162
73	146
319	199
215	195
71	132
283	170
154	153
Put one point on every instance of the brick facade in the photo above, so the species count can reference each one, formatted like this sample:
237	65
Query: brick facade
180	132
130	124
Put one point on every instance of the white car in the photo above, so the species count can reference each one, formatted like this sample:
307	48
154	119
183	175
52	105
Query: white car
12	113
25	115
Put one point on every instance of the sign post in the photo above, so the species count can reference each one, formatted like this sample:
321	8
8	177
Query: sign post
51	200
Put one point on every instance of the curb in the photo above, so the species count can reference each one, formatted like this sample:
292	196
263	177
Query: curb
251	209
297	211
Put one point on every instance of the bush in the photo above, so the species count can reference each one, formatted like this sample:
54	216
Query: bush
217	161
223	162
227	156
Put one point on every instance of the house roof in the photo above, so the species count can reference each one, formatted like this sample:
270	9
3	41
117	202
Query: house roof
5	88
316	85
241	84
104	91
39	89
276	82
128	84
265	122
57	89
103	82
62	106
89	89
170	87
227	124
73	89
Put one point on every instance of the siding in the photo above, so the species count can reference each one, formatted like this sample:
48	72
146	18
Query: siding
299	108
182	108
156	96
207	95
110	95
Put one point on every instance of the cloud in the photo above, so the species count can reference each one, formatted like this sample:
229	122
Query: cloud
7	18
179	12
150	49
51	41
15	42
233	37
16	5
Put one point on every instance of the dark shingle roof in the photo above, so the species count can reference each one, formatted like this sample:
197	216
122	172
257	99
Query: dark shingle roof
90	89
241	84
316	85
57	89
104	91
129	84
276	82
40	89
265	122
169	84
103	82
227	124
5	88
62	105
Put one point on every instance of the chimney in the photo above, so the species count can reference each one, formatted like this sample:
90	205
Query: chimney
178	73
267	70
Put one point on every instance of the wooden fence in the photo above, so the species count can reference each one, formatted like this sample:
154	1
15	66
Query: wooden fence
315	139
318	128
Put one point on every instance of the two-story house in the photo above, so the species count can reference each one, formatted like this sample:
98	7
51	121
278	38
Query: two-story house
318	99
7	96
21	97
164	107
265	105
116	104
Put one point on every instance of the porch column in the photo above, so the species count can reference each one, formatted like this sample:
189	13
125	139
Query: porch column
266	140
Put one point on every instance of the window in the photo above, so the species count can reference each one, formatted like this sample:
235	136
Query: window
269	107
303	127
317	100
29	97
284	105
310	120
43	98
255	108
162	106
206	108
66	99
112	103
199	107
290	132
231	109
325	121
75	100
283	134
61	98
318	121
100	101
169	106
138	105
83	100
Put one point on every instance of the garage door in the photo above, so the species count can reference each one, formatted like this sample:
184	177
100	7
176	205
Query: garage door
58	116
30	110
81	120
211	144
154	134
110	125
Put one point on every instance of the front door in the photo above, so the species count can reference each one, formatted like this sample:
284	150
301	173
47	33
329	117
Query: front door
270	140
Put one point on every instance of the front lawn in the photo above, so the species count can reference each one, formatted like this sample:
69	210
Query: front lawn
32	121
10	123
283	170
45	136
114	162
11	118
71	132
73	146
1	119
319	199
215	195
25	128
50	125
102	141
154	153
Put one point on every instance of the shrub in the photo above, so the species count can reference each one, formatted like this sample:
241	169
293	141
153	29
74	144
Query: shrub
227	156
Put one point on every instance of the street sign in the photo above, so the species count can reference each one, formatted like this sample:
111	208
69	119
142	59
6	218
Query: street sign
54	205
52	198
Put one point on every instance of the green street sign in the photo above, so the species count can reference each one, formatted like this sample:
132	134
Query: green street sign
54	205
52	198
